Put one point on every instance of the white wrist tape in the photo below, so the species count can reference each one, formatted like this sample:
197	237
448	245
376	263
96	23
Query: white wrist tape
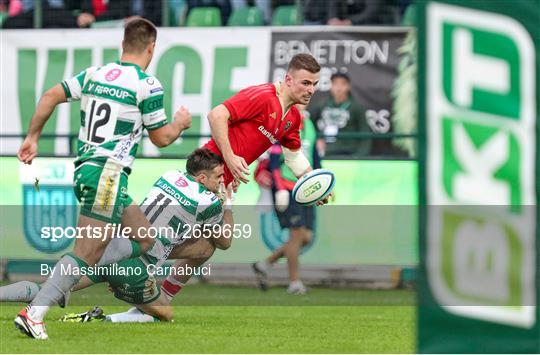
296	161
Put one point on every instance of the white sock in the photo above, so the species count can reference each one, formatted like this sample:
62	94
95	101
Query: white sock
56	286
119	249
131	316
22	291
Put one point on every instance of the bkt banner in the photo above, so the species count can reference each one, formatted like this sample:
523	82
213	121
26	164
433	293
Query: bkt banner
479	170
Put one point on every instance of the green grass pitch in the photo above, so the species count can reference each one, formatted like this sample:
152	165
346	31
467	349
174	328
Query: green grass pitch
218	319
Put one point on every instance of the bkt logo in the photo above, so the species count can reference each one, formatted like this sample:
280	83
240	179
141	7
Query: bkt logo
312	189
481	70
481	152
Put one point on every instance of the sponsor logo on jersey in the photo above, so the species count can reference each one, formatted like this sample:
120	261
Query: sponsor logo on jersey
267	134
124	148
113	74
181	182
105	90
155	104
170	190
273	115
150	81
287	125
106	198
154	90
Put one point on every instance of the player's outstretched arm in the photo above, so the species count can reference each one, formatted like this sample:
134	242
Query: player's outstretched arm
163	136
45	107
299	164
218	119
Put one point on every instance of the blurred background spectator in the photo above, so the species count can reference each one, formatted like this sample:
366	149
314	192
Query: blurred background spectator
297	219
339	113
350	12
112	13
78	13
264	5
102	10
223	5
107	10
55	13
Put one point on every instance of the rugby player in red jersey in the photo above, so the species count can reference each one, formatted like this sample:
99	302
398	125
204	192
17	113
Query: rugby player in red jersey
249	123
254	119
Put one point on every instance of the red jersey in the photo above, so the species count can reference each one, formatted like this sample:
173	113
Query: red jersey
257	122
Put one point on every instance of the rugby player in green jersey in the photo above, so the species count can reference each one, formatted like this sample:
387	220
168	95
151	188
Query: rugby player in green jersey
118	102
178	201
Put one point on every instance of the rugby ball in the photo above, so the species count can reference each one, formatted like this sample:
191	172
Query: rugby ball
313	187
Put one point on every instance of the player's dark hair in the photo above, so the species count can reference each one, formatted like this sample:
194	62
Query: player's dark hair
202	159
340	75
138	34
304	61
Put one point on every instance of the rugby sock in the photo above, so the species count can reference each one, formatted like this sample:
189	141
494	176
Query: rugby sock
170	287
131	316
57	285
22	291
119	249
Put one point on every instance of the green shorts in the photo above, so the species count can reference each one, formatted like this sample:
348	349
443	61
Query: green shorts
130	281
101	189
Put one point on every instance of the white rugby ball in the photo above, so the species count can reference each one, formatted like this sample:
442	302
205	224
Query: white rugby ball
313	187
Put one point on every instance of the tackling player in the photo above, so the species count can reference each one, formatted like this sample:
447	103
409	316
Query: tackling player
118	101
254	119
176	200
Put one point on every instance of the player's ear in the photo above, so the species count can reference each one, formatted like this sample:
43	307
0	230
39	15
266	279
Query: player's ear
151	47
200	178
203	178
288	78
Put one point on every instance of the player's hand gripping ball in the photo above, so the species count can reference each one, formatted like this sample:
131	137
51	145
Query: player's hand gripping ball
313	187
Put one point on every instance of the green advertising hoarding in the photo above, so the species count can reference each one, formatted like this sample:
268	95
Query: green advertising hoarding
479	242
198	68
372	220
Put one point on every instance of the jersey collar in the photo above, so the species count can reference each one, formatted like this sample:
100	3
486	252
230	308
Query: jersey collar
129	64
192	179
277	85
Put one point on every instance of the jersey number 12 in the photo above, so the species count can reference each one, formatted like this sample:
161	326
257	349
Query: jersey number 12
100	121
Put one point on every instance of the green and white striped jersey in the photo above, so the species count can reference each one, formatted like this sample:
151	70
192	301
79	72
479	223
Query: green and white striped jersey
176	203
118	100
